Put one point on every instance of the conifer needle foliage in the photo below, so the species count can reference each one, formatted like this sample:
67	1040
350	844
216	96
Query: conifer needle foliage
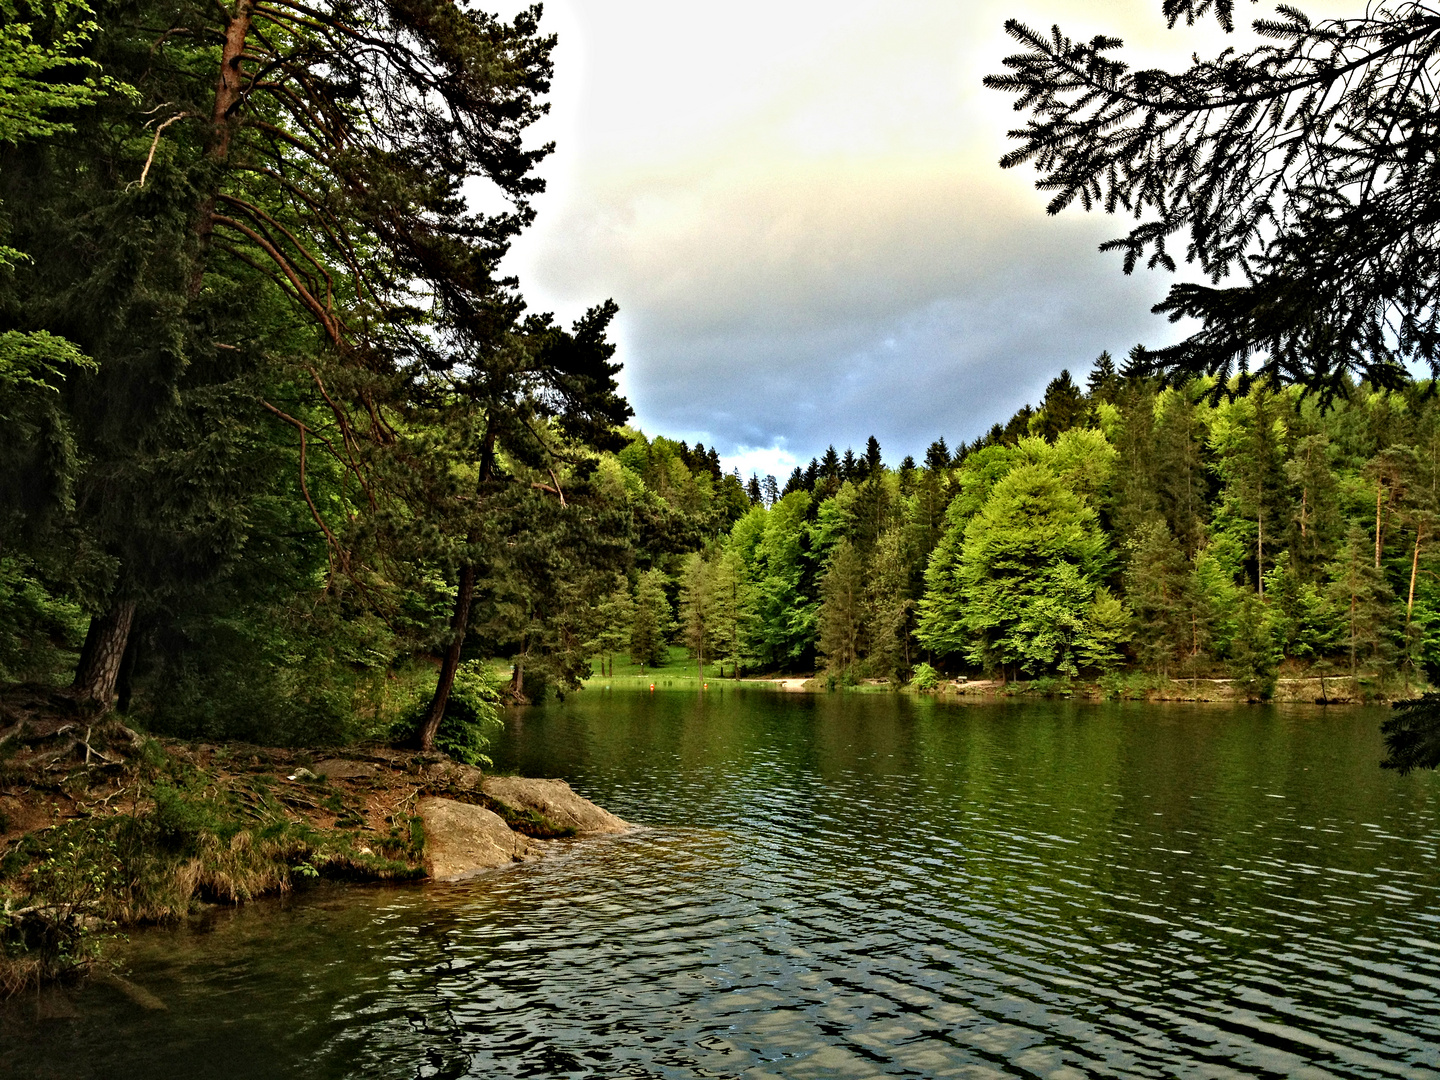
1300	177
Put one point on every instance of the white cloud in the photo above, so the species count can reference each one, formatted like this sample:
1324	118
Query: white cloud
761	461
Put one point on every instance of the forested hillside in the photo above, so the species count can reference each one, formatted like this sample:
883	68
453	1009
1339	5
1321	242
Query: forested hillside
1122	527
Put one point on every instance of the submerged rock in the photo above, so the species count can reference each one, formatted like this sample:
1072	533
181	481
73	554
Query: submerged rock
136	993
462	841
554	800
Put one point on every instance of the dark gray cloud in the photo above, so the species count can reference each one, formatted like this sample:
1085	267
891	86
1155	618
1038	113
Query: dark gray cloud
953	364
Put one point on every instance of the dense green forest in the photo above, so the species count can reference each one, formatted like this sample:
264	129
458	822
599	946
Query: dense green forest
1122	527
285	456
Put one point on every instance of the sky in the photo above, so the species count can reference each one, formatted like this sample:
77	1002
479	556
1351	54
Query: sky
799	209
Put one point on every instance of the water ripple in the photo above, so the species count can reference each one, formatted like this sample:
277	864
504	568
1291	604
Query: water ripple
853	887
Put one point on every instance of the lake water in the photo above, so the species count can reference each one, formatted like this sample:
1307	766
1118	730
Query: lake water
849	886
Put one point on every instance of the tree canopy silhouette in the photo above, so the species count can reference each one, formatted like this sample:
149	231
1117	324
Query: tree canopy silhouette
1301	177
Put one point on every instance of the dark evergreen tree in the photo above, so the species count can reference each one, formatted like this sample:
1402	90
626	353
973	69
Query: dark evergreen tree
1104	382
1137	496
1064	407
654	621
1315	522
1019	425
842	611
872	456
1181	470
1304	168
1157	585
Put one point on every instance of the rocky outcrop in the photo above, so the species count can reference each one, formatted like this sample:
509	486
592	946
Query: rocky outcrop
462	841
454	773
554	800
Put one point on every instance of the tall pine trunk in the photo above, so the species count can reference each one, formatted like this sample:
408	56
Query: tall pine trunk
1260	553
459	619
1379	526
1414	570
104	650
229	96
450	663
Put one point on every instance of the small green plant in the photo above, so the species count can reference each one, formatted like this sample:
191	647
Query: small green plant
1051	686
925	678
472	715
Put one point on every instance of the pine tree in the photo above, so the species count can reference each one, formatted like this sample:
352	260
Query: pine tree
1064	407
890	605
1137	499
1181	471
1362	599
616	618
1252	158
653	622
1104	382
1255	654
731	614
1157	584
697	608
770	490
1315	520
842	611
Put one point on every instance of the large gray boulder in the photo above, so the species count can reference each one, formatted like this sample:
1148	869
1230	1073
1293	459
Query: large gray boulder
462	841
554	800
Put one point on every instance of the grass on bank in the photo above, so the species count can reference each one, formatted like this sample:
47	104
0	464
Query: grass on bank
1292	683
679	671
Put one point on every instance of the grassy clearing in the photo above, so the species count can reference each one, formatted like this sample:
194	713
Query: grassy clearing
680	672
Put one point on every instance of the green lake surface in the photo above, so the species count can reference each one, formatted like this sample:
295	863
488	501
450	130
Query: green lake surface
847	885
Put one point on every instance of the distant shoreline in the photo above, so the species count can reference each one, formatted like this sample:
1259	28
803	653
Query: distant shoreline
1300	690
